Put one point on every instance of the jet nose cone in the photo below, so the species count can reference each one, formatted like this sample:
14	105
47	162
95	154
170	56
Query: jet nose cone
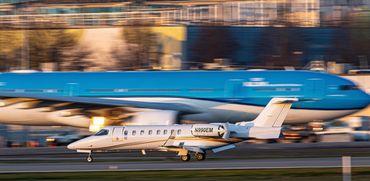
73	146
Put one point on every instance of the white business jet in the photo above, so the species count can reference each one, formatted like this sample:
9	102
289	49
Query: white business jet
186	138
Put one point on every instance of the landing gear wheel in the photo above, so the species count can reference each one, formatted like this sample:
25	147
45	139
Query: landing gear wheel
89	158
200	156
185	158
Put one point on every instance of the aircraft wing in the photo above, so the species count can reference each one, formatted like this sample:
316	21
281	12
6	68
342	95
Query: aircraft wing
180	148
82	111
193	149
183	108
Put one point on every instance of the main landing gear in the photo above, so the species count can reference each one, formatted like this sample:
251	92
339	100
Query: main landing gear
198	156
185	158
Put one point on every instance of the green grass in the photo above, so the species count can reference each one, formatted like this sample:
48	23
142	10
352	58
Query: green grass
332	174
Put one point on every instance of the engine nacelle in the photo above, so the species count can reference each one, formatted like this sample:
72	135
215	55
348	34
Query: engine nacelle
207	130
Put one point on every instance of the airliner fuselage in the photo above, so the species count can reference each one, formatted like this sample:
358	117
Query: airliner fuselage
228	96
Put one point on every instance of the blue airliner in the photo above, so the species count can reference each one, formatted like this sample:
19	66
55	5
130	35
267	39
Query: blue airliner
169	97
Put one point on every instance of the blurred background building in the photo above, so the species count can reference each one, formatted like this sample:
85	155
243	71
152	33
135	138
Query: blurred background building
113	35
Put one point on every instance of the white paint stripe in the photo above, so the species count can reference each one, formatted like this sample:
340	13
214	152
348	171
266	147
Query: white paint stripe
272	85
184	169
337	95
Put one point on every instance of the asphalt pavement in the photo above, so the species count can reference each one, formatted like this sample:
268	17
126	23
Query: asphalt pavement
246	156
179	165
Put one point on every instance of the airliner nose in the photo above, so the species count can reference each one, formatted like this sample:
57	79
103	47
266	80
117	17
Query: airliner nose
367	99
363	100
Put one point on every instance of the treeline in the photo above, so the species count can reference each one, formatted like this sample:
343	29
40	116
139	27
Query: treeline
30	49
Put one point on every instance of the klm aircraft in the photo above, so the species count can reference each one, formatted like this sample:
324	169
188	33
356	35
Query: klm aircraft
94	100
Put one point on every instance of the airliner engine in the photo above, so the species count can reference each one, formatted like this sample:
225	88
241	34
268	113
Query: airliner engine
161	117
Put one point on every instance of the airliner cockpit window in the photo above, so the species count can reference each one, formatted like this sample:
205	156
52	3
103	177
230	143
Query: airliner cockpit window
348	87
102	132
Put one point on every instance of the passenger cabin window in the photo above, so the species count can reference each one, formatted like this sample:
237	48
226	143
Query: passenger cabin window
102	132
178	131
142	132
158	132
165	132
133	133
150	132
172	131
125	133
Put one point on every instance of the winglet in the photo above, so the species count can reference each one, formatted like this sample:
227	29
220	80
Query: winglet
274	114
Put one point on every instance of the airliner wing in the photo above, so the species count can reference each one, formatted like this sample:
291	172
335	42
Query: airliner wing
106	102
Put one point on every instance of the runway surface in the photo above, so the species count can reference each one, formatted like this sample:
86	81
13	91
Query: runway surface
246	156
178	165
242	150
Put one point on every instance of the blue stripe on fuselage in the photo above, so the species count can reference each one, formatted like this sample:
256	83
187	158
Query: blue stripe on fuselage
239	87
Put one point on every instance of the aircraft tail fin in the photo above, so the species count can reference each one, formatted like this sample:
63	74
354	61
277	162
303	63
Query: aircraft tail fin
274	114
268	123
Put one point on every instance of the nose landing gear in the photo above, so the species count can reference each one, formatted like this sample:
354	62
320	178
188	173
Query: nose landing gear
89	158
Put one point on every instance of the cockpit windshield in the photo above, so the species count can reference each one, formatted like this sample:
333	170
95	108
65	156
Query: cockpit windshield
348	87
102	132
